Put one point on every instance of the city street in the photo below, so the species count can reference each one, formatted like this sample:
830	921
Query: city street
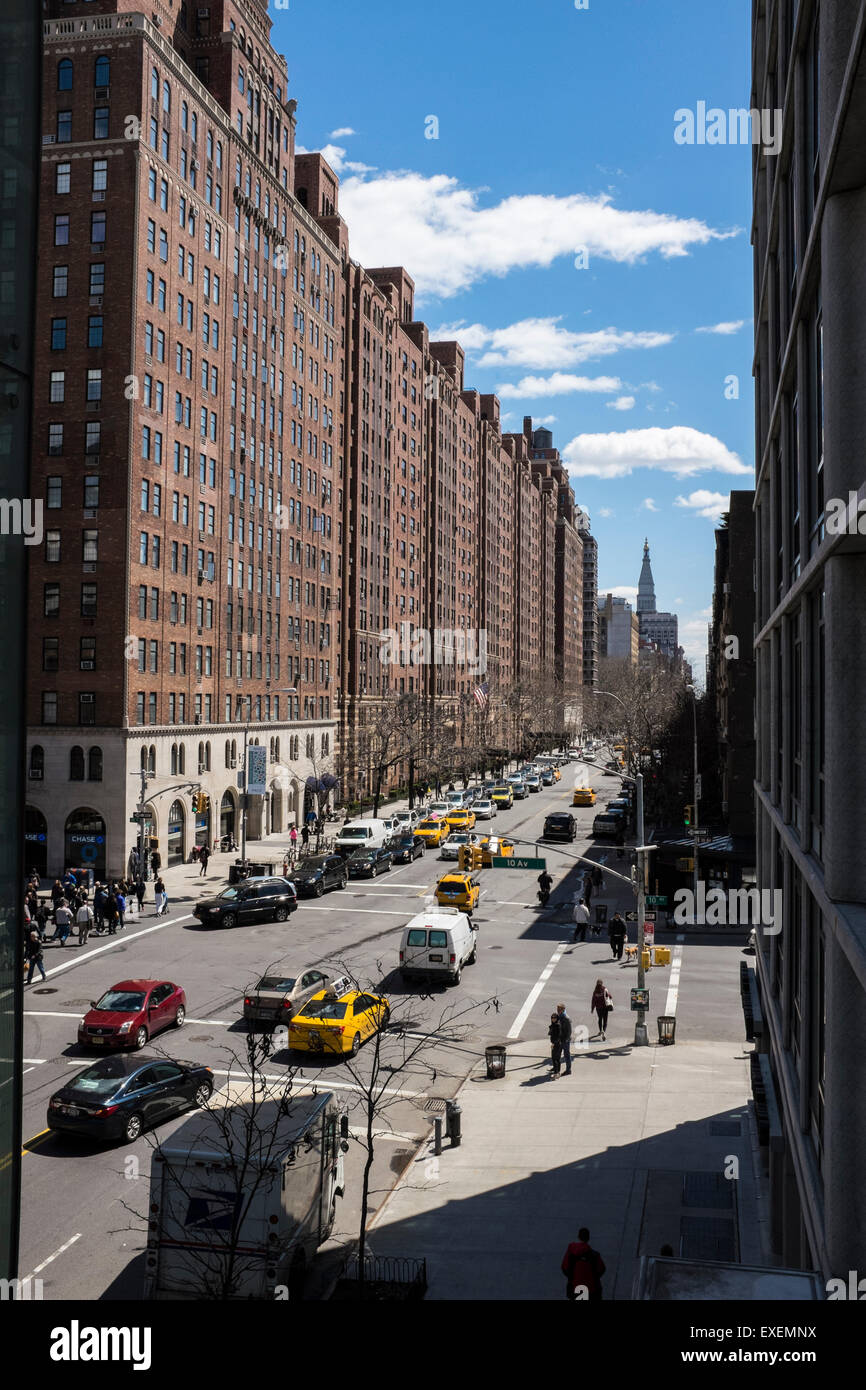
94	1249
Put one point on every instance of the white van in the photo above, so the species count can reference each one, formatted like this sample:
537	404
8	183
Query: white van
437	945
362	834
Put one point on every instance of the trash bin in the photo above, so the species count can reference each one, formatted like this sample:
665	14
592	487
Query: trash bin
667	1029
495	1059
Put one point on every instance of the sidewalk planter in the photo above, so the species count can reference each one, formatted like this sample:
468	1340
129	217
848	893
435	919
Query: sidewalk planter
386	1280
667	1029
495	1059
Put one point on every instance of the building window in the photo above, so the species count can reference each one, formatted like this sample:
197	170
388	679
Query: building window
61	281
94	331
87	654
87	708
50	653
63	178
91	490
97	277
76	764
55	439
97	228
100	123
54	492
51	600
64	75
64	127
88	600
94	764
52	547
49	707
58	335
101	71
61	229
94	384
37	761
100	175
89	547
57	388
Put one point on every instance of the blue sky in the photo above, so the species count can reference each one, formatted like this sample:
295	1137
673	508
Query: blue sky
596	271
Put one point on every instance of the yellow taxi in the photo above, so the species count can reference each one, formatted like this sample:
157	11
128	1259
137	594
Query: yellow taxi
502	796
458	890
434	832
460	820
495	847
583	796
557	775
338	1021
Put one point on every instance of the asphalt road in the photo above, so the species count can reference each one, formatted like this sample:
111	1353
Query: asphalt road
82	1205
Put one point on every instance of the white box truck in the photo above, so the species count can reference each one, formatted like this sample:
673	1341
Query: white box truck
241	1198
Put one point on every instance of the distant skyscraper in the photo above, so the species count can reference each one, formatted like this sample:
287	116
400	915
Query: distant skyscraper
660	628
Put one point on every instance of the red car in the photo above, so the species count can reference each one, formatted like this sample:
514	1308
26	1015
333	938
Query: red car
131	1012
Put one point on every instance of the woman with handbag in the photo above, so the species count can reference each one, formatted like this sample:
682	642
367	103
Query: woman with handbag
602	1005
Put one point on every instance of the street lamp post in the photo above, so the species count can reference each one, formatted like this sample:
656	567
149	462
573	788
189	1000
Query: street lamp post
641	1037
142	804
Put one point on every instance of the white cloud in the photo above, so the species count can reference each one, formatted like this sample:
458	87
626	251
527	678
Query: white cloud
342	131
560	384
336	157
626	591
542	343
449	241
725	329
679	450
678	600
606	511
621	403
703	503
545	420
648	505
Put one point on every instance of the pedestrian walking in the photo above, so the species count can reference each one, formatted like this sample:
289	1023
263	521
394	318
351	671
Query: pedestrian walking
57	893
84	922
554	1032
204	857
155	862
100	899
160	897
62	922
583	1268
587	889
120	904
565	1032
34	956
598	879
140	891
305	835
40	921
617	931
111	912
581	921
602	1004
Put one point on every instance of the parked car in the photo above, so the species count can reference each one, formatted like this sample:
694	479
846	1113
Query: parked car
338	1022
433	832
369	863
131	1012
605	826
277	997
408	848
560	825
313	876
259	900
450	849
484	810
458	889
117	1097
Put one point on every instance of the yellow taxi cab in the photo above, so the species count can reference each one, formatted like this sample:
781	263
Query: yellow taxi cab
460	820
583	796
338	1021
557	775
458	890
502	796
495	847
434	832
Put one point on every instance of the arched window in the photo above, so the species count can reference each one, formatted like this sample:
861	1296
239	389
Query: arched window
234	751
207	757
101	71
94	764
277	746
143	758
174	760
181	760
201	757
37	761
166	97
154	84
76	764
64	75
228	753
151	759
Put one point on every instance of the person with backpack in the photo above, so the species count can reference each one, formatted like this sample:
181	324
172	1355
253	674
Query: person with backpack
602	1005
204	856
84	922
34	956
583	1268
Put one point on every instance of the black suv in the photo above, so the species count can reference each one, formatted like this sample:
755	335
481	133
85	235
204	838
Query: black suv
258	900
313	876
561	825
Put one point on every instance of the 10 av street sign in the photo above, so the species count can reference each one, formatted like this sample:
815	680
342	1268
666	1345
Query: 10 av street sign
513	862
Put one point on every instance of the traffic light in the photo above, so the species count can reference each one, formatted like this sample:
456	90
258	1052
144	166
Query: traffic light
476	858
201	803
687	816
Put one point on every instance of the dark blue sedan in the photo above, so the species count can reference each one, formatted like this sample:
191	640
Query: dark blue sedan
368	863
121	1095
406	849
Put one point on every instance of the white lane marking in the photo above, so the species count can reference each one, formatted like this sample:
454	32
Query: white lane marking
360	1132
216	1022
65	1246
325	1084
109	946
49	1013
379	911
674	983
536	990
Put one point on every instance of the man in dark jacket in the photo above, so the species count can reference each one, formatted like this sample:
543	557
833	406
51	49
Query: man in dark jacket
583	1268
617	933
565	1031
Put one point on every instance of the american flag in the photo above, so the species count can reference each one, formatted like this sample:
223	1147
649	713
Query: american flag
481	695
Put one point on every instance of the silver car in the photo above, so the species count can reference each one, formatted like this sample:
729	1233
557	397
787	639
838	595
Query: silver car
278	996
484	810
450	848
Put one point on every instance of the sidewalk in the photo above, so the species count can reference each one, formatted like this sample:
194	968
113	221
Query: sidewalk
637	1144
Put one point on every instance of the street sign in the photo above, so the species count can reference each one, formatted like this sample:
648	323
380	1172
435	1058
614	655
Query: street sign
632	916
515	863
639	999
656	900
698	787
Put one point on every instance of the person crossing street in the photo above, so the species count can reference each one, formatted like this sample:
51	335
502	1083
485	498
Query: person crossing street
203	859
84	922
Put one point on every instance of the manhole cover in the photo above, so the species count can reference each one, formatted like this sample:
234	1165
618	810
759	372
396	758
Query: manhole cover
707	1190
44	991
201	1037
